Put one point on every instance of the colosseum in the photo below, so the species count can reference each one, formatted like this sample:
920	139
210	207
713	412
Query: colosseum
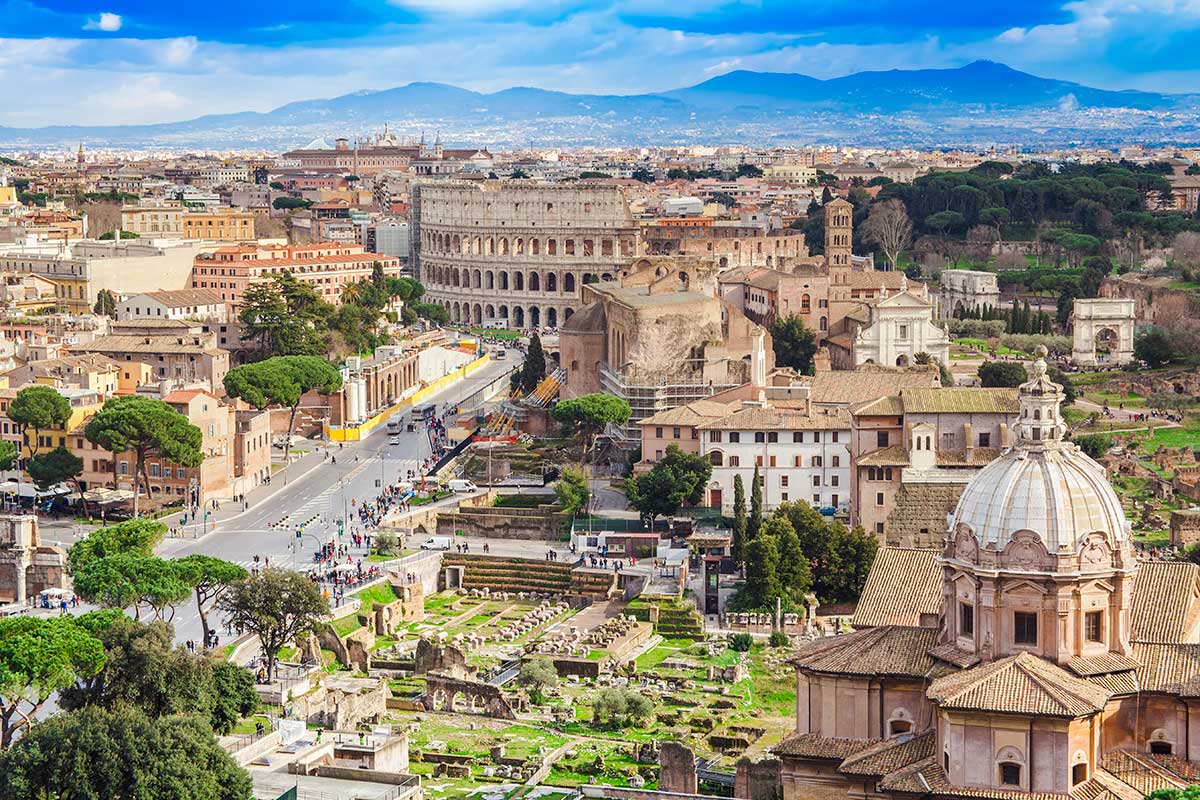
518	250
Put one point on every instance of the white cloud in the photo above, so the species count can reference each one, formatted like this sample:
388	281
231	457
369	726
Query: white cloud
107	21
145	93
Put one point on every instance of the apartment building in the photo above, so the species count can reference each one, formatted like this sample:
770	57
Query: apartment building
802	455
327	266
180	304
172	349
222	225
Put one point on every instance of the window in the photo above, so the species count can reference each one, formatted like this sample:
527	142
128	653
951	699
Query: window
759	437
714	436
1025	628
879	498
817	461
903	331
784	497
881	438
834	434
734	437
771	461
985	440
783	480
658	432
966	619
837	461
833	480
658	455
675	432
948	440
898	727
772	437
879	529
758	461
1010	774
1079	774
817	499
798	437
816	436
816	480
734	461
1161	748
1093	626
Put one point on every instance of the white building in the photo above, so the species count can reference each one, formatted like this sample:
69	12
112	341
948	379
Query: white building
192	304
391	237
896	329
801	456
682	206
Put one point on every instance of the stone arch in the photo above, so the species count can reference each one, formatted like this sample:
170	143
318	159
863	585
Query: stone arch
551	247
489	280
535	317
504	314
535	247
518	281
489	311
606	276
805	303
519	246
519	316
477	279
551	282
535	284
716	458
569	247
568	313
477	314
900	722
552	317
477	249
489	246
455	244
454	312
503	246
1160	743
503	281
1106	341
902	360
824	323
723	262
569	282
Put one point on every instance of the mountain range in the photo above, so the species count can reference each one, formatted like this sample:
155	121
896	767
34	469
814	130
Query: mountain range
981	103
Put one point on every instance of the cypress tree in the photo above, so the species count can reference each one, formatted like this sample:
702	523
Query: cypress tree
754	525
739	521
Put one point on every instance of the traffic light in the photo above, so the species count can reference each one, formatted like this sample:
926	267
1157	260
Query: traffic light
299	533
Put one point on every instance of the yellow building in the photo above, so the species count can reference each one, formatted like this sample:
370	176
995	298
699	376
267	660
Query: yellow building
153	220
226	226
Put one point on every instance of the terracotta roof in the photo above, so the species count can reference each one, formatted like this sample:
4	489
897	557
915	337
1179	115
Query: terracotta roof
926	778
885	650
902	586
1020	684
894	456
890	406
1098	665
767	418
953	654
918	518
977	456
1117	682
1164	607
128	343
182	298
694	413
890	755
959	400
810	745
1145	773
1167	667
843	387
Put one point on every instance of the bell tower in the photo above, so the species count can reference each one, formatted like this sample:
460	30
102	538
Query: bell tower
839	233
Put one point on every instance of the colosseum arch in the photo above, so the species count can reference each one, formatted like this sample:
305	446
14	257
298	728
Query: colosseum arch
503	281
477	279
455	244
503	313
454	313
606	248
503	246
489	280
489	311
552	317
551	282
534	282
477	249
535	247
568	313
518	281
552	247
519	246
518	317
477	314
569	247
490	245
535	317
569	282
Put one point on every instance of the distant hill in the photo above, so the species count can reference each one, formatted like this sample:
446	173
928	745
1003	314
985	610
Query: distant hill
930	106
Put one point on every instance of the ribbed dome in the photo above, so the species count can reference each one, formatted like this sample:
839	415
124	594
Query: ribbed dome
1043	484
1059	493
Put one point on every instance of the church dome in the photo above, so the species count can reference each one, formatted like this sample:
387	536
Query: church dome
1042	484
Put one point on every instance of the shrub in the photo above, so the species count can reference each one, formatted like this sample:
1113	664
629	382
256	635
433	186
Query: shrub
779	639
741	642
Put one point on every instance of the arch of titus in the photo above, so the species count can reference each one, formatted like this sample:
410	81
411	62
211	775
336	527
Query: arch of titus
1103	332
967	289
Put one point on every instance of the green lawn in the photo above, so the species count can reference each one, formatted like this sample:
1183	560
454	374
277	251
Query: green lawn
1187	435
496	333
379	593
346	625
1115	399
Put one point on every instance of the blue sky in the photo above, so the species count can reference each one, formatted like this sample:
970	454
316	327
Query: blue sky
122	61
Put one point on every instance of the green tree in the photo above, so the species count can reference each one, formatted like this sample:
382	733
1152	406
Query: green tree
136	537
285	317
795	573
794	344
126	579
58	466
588	415
762	572
537	675
748	171
691	470
1153	347
276	606
38	408
282	381
8	455
106	304
1095	445
738	543
572	490
755	522
852	552
642	175
1002	374
148	427
657	493
534	369
209	577
39	657
120	753
289	203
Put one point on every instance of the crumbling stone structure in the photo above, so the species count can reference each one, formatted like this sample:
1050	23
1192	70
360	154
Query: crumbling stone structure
678	770
442	692
27	567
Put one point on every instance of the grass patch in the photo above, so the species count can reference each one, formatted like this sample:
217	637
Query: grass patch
378	593
344	626
1186	436
522	500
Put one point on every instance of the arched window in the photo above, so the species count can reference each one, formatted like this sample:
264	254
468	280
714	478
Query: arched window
551	282
568	282
805	302
898	727
519	281
824	323
716	458
552	247
534	282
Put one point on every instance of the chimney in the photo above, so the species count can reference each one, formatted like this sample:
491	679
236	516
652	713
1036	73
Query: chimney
758	359
822	361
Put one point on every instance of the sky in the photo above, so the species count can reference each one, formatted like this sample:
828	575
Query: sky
93	62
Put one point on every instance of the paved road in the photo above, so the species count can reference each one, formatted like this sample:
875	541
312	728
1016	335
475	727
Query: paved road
312	490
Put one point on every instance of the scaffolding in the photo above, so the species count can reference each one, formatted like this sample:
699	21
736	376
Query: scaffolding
504	423
646	399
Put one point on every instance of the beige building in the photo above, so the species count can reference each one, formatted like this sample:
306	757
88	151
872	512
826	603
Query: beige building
153	221
224	225
173	350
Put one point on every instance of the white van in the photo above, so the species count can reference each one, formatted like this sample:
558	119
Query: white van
460	485
436	543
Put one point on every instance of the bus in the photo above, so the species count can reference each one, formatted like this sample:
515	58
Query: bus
393	427
425	413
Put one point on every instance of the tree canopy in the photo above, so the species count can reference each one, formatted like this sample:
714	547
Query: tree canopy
135	536
572	490
38	408
1002	374
587	416
282	381
275	605
127	579
794	344
120	753
678	478
148	427
209	578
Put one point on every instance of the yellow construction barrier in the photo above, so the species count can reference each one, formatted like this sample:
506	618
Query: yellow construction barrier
357	433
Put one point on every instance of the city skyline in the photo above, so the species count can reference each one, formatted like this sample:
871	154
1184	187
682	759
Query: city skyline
66	62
